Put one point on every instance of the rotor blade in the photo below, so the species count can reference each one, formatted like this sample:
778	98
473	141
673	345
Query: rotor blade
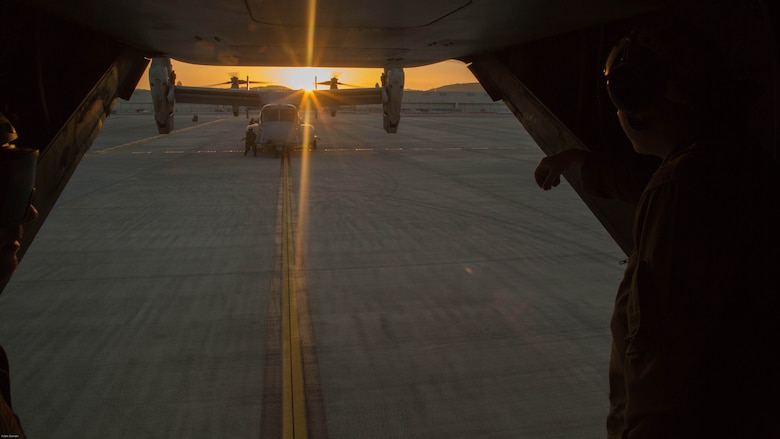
244	81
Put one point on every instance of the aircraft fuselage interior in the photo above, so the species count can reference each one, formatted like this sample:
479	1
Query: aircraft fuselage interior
66	62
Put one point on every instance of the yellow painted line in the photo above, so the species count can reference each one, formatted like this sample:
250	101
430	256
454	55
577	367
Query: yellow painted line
293	392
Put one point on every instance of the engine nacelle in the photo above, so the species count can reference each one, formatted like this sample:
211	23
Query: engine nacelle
392	95
161	82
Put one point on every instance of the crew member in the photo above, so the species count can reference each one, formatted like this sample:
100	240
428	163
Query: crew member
695	327
250	141
17	179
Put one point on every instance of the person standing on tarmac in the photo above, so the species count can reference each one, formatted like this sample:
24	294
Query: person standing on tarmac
250	141
695	326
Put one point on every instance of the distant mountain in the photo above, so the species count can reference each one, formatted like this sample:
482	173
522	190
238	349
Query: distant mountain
469	87
472	87
273	87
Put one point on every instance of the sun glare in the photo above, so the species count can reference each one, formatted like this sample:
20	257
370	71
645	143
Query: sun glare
305	77
298	78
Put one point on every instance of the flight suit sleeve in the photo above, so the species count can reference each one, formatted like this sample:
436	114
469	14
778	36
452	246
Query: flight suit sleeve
614	177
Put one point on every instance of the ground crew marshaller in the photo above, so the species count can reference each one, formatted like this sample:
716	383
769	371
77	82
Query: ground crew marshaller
250	141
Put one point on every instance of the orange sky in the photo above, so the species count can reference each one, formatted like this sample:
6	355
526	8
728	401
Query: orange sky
417	78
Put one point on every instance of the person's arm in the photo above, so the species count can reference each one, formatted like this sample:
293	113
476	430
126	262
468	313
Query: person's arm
9	422
548	171
618	177
603	176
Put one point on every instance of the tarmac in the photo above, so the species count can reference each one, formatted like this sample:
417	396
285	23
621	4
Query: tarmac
409	285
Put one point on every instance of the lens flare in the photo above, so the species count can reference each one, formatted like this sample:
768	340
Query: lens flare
312	17
304	110
303	186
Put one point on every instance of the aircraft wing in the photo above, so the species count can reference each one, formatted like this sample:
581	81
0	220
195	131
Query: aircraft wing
217	96
354	96
257	98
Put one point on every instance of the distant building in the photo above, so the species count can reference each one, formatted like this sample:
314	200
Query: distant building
415	101
438	101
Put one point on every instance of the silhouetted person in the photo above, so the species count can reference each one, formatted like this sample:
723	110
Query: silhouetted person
250	141
17	179
695	323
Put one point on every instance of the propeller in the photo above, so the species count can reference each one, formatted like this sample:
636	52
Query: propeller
235	81
333	82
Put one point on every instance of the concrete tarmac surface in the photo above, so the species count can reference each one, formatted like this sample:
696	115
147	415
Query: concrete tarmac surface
441	293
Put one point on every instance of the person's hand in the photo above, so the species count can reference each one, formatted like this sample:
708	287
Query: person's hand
548	171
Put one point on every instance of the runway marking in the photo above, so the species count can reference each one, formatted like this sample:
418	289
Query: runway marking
292	395
148	139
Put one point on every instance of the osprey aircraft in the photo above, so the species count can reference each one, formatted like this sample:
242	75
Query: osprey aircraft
254	98
543	58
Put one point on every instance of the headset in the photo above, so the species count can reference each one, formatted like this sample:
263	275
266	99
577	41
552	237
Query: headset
639	72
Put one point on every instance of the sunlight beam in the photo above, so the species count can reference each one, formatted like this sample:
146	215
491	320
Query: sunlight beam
306	106
312	16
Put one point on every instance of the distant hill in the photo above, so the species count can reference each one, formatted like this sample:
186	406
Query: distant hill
272	88
468	87
472	87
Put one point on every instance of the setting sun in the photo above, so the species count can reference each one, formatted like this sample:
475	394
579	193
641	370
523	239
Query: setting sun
305	77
